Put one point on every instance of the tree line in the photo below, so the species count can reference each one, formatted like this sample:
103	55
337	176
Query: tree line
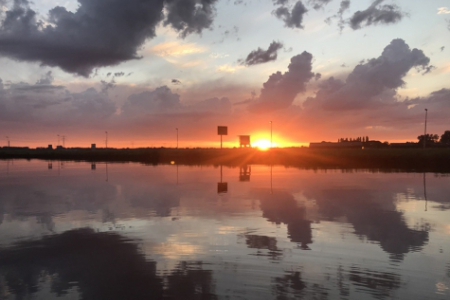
432	139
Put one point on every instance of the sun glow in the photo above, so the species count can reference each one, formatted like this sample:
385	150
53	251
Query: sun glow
263	145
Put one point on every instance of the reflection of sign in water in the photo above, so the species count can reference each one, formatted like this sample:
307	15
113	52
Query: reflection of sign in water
244	173
222	187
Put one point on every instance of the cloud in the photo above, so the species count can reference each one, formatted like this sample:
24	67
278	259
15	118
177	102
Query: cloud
159	101
318	4
47	79
443	11
376	14
371	83
261	56
190	16
293	18
99	33
280	90
176	81
343	7
47	104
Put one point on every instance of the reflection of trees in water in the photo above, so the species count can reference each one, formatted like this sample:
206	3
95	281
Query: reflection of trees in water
280	207
378	284
291	286
190	281
371	220
100	265
262	242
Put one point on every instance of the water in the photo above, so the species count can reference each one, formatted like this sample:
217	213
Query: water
129	231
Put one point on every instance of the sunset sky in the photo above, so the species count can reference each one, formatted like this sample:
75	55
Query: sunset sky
318	69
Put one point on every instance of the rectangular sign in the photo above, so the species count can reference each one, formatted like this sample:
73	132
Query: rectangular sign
222	130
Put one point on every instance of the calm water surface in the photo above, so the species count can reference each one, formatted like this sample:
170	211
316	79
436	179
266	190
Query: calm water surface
129	231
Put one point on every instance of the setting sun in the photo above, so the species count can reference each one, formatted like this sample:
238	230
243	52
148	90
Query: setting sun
262	145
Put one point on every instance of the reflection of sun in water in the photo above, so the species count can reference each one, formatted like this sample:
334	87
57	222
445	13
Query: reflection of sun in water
263	145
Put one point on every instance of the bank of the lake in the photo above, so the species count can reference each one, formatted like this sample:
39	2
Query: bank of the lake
406	159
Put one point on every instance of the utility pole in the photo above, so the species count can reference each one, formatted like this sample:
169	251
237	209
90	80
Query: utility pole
58	141
106	139
7	139
64	141
177	137
270	134
425	131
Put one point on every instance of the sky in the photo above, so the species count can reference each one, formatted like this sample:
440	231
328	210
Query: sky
145	71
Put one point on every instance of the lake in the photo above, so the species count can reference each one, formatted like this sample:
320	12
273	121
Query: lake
78	230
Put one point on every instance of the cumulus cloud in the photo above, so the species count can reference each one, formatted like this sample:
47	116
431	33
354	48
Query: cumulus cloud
190	16
99	33
376	14
261	56
292	18
369	80
280	90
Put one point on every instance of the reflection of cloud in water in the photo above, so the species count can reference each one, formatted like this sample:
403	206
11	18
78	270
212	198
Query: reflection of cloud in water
101	266
370	219
280	207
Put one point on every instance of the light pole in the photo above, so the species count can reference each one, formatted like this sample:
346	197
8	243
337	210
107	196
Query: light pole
425	131
177	137
7	139
270	134
106	139
58	141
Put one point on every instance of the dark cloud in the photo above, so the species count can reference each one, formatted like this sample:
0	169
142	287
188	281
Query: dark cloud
293	18
261	56
369	81
280	90
190	16
442	48
176	81
376	14
100	33
318	4
119	74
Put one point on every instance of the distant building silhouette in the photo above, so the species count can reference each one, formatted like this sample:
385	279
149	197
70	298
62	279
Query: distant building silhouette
244	141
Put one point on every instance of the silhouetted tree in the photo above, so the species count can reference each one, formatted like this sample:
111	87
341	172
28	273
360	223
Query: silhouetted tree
429	138
445	138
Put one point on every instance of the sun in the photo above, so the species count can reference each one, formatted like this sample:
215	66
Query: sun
263	145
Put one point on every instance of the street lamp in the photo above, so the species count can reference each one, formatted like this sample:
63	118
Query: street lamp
425	131
106	139
270	134
177	137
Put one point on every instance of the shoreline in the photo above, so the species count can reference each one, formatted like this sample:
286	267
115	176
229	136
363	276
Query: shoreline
431	159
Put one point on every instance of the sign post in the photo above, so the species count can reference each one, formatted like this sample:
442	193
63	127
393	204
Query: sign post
222	130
